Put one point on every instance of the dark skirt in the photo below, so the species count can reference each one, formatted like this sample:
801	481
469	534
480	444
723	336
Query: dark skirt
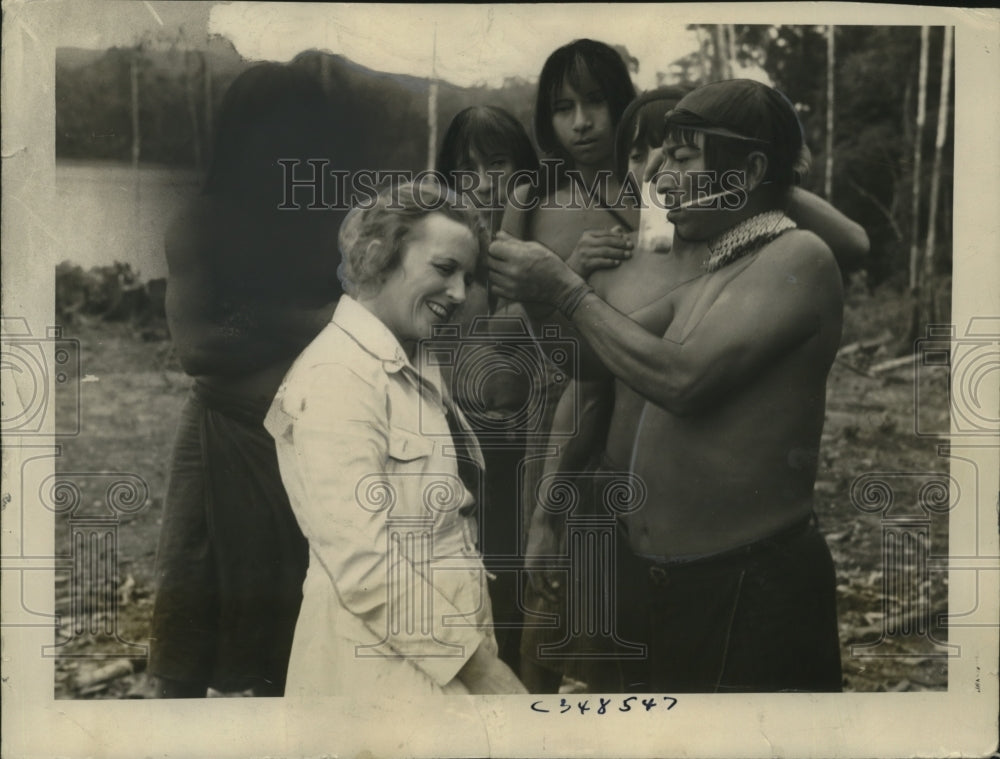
761	618
231	558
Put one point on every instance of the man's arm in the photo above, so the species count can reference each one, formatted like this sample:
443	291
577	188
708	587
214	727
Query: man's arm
847	239
205	344
777	303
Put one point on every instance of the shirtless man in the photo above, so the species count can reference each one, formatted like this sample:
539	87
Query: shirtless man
719	410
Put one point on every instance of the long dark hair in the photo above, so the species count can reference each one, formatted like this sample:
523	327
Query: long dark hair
643	122
573	63
270	111
488	130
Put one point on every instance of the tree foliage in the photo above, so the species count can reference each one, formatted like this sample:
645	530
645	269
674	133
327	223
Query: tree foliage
875	116
387	126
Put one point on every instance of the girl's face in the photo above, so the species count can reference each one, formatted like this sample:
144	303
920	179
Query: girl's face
582	124
492	174
638	153
641	157
430	282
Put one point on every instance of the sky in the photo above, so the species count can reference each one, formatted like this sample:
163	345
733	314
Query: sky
474	43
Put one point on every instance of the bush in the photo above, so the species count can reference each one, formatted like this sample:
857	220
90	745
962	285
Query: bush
109	293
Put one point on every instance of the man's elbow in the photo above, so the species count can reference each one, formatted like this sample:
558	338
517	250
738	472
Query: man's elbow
681	395
855	247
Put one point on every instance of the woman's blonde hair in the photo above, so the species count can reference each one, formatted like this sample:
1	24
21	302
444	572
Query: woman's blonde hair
397	209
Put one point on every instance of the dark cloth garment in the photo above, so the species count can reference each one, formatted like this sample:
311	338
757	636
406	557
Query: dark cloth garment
584	644
500	531
231	558
761	618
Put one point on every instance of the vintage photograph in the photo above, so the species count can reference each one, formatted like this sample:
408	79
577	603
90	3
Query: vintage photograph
607	362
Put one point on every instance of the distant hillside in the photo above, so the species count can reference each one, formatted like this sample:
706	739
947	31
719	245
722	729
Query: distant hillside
179	94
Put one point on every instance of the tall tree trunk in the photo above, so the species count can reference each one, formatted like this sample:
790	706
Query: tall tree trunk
207	86
192	102
918	138
830	67
917	319
731	49
718	53
942	134
699	30
133	71
432	102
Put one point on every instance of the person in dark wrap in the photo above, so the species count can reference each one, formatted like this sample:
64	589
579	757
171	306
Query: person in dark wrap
249	286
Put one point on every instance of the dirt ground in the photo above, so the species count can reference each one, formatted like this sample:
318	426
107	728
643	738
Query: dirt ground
131	395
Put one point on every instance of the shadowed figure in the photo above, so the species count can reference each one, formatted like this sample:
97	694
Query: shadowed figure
249	286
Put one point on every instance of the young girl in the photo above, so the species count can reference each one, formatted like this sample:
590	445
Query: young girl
583	90
485	151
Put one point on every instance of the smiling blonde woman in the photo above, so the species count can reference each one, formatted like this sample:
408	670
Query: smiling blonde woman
382	470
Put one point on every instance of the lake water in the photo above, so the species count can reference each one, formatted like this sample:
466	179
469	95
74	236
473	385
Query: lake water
108	212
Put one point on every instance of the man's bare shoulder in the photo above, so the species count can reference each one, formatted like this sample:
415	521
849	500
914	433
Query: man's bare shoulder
802	257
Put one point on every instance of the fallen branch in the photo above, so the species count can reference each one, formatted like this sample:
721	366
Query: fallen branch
126	590
892	364
865	345
111	671
855	369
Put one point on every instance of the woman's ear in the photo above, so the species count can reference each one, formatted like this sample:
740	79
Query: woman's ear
756	170
373	250
374	260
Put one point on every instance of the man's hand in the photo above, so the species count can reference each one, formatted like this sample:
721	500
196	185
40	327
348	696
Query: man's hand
529	272
543	551
599	249
485	673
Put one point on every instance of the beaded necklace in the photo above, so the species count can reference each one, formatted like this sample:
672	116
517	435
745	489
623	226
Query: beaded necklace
747	237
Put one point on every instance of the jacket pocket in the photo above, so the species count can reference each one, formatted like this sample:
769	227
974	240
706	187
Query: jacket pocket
409	446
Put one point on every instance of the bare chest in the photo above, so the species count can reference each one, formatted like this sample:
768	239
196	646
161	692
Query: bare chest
559	229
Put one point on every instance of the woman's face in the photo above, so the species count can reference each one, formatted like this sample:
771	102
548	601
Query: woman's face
582	124
435	269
